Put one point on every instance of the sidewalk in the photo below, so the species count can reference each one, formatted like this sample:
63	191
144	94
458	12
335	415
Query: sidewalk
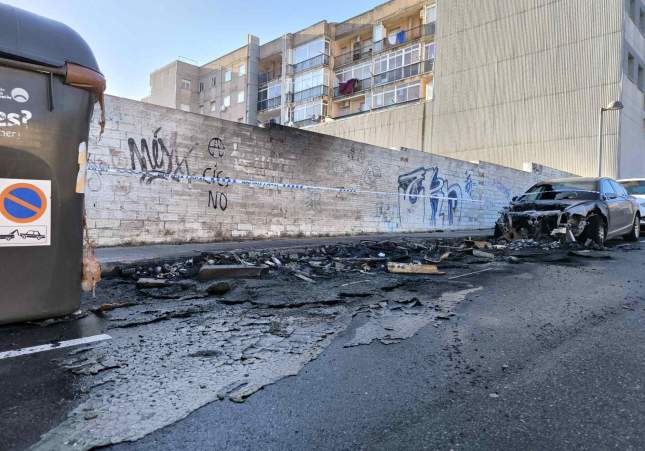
112	257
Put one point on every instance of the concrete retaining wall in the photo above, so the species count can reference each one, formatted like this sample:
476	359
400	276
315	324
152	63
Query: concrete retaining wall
398	191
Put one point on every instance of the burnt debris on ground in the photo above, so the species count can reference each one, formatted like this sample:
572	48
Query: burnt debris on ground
223	326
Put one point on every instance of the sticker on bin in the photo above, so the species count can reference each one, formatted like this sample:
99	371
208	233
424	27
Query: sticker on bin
25	215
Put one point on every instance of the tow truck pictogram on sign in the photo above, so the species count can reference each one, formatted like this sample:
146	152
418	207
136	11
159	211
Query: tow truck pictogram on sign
25	212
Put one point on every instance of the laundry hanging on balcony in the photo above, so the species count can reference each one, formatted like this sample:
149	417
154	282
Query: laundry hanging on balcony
347	87
400	37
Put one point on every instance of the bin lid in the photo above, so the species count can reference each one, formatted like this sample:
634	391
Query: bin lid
30	37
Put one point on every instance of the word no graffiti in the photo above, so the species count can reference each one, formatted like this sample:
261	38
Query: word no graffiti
25	215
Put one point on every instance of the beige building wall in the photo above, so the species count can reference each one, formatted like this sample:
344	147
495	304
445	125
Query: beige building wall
524	80
632	119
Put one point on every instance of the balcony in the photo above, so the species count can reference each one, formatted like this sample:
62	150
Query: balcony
268	104
306	122
353	56
311	93
266	77
360	86
397	74
320	60
404	37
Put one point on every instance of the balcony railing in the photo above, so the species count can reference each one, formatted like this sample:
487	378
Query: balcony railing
320	60
397	74
361	85
266	77
353	56
269	104
404	37
311	93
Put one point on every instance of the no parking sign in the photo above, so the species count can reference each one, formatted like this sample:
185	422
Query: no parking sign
25	212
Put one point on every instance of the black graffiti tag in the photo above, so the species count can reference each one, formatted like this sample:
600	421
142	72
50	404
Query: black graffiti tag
160	163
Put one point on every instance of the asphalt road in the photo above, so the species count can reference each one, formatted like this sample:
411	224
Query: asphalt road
544	356
550	357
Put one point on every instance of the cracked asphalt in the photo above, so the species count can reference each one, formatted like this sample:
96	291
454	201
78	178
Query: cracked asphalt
539	355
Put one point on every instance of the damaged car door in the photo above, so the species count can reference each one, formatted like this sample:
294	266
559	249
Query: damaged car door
610	197
626	209
618	209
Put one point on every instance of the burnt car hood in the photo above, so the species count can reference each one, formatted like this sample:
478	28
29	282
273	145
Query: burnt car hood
546	205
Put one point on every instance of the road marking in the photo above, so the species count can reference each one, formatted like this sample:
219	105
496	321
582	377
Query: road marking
469	274
49	347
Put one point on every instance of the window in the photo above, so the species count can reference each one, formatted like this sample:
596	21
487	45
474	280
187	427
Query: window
641	78
430	51
392	94
635	187
396	59
641	21
241	70
201	109
359	72
310	50
184	107
227	75
311	79
606	188
213	106
185	84
240	97
618	188
431	14
632	10
213	80
270	91
201	86
309	111
227	101
631	63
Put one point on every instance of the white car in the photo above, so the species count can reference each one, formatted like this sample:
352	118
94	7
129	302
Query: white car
636	188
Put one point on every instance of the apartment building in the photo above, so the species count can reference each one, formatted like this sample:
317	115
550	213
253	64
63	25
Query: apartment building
328	70
525	80
504	81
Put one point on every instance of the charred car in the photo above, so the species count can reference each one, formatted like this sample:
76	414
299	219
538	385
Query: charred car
572	209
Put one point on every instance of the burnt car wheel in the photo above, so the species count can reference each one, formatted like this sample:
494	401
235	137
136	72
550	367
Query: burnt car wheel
595	230
635	233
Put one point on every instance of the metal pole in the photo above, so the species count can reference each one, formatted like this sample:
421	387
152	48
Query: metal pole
602	110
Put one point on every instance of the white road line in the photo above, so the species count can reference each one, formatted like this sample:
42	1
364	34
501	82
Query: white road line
49	347
469	274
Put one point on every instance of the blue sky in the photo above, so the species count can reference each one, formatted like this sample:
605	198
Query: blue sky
131	38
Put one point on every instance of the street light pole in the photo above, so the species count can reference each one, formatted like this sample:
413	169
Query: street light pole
613	106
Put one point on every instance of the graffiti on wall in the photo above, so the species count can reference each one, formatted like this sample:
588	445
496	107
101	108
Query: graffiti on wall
426	197
156	161
217	199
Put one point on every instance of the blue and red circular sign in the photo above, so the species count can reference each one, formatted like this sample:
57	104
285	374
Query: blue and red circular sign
22	203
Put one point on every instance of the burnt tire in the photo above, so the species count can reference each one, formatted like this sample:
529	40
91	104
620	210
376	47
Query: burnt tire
635	232
595	230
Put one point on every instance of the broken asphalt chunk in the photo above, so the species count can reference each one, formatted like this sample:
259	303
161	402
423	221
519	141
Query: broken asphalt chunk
412	268
219	288
151	283
213	272
482	254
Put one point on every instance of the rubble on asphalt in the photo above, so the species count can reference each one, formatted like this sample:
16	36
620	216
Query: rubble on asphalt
181	340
